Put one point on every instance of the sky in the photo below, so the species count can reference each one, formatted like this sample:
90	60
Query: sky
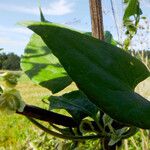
73	13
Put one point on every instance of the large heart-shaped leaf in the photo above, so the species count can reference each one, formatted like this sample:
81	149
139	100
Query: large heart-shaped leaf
105	73
43	67
76	103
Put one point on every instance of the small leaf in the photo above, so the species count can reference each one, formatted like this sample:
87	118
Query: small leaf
109	38
42	67
121	131
143	17
114	139
88	33
86	122
132	9
107	120
76	103
117	136
98	116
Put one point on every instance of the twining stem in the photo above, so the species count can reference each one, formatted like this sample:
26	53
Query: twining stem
59	119
69	137
48	116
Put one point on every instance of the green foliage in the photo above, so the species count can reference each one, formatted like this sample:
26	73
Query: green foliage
3	57
9	61
76	103
10	101
43	67
93	65
131	20
18	133
132	9
109	38
10	98
95	68
105	74
10	79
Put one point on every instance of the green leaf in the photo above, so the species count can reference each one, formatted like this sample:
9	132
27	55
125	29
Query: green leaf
107	37
88	33
132	9
105	73
76	103
42	67
117	136
121	131
109	57
107	120
42	16
114	139
143	17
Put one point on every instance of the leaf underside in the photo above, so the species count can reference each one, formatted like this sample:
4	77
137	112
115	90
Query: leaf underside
42	67
76	103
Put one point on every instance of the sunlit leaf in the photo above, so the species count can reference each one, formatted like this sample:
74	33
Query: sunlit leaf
43	67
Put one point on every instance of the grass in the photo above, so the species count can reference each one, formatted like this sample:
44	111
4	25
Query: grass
18	133
15	130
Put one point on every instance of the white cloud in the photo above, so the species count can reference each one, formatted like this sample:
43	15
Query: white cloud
12	42
61	7
18	30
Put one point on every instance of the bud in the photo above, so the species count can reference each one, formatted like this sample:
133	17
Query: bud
11	101
10	79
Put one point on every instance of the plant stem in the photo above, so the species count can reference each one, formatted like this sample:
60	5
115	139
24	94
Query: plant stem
69	137
48	116
58	119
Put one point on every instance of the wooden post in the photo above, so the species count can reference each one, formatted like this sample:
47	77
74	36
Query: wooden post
98	32
97	19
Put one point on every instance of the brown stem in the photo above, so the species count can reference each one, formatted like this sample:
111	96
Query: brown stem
48	116
59	119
